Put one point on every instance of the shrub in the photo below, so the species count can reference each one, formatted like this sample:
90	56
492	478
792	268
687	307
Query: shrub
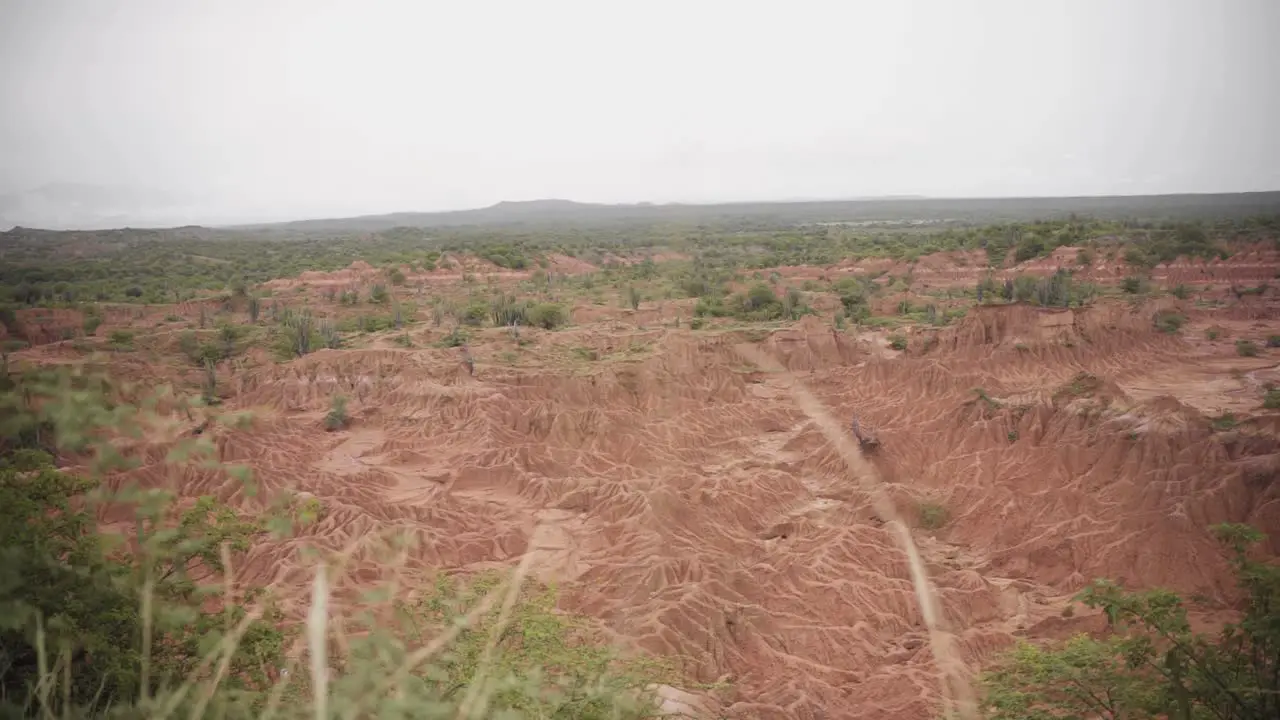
1273	341
475	313
1246	348
505	310
1156	665
455	338
1271	401
548	316
1182	292
1133	284
932	515
633	297
1168	321
91	323
121	338
396	276
378	294
898	342
1212	333
255	309
337	417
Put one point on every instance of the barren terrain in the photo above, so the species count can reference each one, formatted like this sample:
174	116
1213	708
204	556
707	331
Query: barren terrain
692	502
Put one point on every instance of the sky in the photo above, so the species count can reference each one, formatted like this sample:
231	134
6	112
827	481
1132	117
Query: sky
306	108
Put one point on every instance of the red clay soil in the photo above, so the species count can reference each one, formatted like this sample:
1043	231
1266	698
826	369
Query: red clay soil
684	500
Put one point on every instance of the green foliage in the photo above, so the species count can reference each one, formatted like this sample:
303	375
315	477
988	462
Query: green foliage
898	342
456	338
1246	348
336	419
1181	291
1169	321
1271	401
299	333
67	599
505	311
122	339
933	515
378	294
474	314
1154	665
91	323
396	276
255	308
1273	341
548	316
633	297
1133	284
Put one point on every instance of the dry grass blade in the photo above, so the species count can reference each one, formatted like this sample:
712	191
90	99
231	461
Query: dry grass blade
468	706
957	694
317	648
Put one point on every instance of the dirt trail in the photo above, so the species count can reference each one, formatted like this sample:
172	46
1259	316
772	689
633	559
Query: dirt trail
954	679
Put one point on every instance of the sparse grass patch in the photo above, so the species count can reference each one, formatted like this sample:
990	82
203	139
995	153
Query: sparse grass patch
121	339
1246	348
337	418
1168	321
898	342
1223	422
933	515
1273	341
1271	401
456	338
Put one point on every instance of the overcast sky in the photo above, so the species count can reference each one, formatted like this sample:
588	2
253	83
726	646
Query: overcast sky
307	107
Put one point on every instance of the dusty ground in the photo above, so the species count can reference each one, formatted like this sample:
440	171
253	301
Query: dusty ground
679	494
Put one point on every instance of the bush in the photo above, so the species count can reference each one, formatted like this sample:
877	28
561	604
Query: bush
1273	341
1271	401
1182	292
548	316
932	515
455	338
378	294
898	342
1133	284
1155	665
1246	348
1168	321
337	417
91	323
121	338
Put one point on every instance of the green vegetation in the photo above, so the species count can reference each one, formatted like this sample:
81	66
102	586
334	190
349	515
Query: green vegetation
1246	348
1169	321
95	627
1273	341
898	342
1153	665
933	515
1271	401
337	418
1223	422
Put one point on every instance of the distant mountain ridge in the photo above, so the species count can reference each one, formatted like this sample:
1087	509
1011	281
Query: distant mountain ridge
63	206
898	208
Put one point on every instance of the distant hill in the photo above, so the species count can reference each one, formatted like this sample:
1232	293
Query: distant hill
558	212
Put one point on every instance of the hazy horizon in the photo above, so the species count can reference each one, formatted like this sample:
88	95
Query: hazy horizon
294	109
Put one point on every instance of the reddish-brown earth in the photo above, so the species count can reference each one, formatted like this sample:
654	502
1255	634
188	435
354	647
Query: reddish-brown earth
679	494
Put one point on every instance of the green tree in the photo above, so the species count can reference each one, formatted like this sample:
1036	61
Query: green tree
1154	665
